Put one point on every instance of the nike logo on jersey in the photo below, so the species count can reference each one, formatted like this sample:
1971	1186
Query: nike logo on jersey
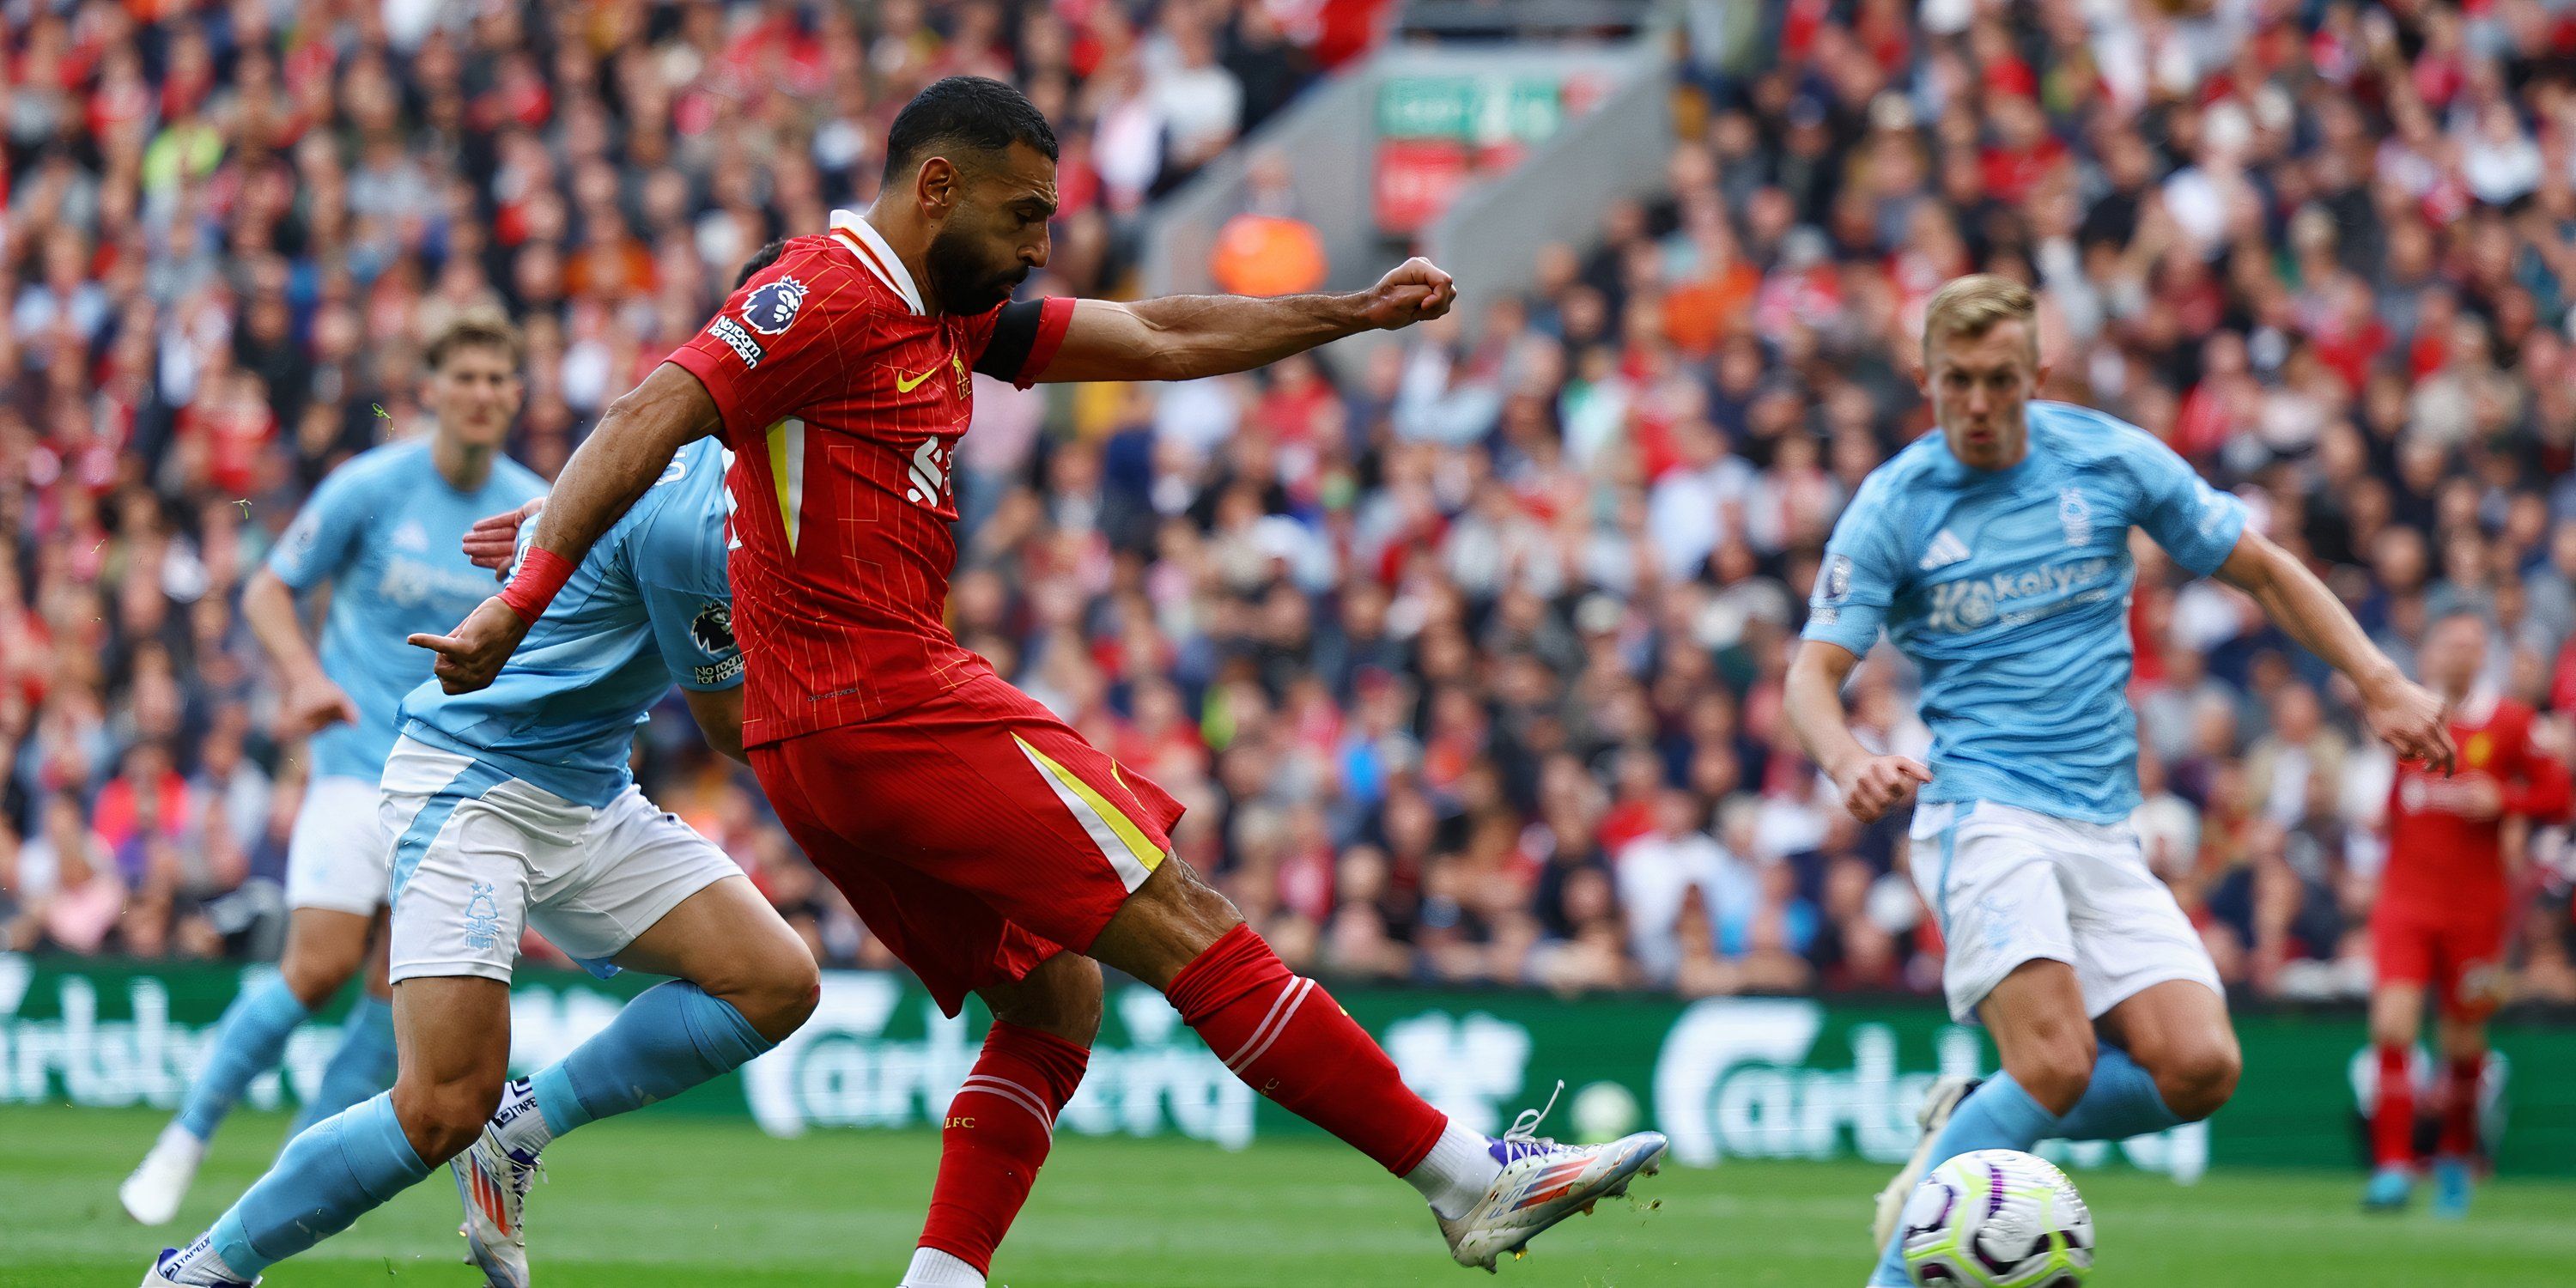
1946	549
903	386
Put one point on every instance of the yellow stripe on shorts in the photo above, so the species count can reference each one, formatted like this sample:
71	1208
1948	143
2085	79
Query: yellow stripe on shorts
1126	845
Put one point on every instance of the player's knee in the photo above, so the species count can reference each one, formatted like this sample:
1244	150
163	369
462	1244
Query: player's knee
443	1118
2196	1082
1165	925
781	994
2394	1020
1063	996
2055	1066
315	974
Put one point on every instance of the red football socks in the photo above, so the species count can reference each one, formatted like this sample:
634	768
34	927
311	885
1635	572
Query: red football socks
996	1136
2392	1118
2460	1107
1289	1040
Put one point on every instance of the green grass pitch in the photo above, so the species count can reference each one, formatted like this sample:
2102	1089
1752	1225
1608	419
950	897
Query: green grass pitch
664	1199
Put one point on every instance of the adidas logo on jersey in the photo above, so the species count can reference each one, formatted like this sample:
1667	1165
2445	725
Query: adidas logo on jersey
411	536
1946	549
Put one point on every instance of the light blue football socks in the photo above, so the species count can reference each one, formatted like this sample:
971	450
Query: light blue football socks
345	1165
2120	1102
672	1037
249	1041
669	1039
362	1066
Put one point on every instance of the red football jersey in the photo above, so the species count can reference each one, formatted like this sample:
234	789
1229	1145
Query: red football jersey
2438	857
844	400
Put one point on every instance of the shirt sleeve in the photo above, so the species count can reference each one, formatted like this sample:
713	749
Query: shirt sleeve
680	574
2195	523
1859	578
781	341
325	532
1016	341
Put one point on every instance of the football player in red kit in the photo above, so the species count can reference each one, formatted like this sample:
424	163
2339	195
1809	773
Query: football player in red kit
992	848
2446	902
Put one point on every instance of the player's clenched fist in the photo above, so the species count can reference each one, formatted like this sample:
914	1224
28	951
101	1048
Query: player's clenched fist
470	657
311	705
1413	291
1880	784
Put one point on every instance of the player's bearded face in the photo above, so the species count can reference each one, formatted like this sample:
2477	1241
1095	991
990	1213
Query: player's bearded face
972	272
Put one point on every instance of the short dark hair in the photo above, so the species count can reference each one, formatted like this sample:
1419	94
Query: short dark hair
964	111
760	259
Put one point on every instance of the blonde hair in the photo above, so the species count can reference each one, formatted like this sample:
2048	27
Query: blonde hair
1971	306
480	328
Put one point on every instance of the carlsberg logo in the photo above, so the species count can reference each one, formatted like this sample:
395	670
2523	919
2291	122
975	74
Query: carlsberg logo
839	1071
1733	1079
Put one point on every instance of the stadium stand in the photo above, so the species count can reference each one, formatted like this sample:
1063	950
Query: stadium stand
1467	662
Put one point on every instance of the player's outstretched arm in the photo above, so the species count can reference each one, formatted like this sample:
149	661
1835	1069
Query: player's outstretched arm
631	447
1872	784
1184	337
2401	712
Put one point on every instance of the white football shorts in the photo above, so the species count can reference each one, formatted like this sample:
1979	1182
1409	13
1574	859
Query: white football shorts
2009	886
480	855
338	856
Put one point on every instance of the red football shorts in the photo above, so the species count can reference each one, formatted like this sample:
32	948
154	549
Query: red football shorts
2457	958
975	834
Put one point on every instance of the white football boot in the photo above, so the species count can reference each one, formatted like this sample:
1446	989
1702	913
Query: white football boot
492	1181
1939	1103
1542	1183
158	1276
153	1193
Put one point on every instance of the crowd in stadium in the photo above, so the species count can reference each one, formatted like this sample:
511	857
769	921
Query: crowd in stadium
1465	659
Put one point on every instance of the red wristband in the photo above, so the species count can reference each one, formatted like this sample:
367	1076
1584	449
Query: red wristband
541	574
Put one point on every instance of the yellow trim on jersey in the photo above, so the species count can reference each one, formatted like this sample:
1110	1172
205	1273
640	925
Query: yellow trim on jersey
787	473
1140	857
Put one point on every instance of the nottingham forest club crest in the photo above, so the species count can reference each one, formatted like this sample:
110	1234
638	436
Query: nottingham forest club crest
772	308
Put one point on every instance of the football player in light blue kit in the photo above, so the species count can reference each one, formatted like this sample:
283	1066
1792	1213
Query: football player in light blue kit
382	533
514	806
1995	554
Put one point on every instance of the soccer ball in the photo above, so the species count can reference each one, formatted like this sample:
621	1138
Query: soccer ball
1997	1218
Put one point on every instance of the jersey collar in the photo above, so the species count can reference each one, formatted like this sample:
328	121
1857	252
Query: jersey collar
1958	473
870	246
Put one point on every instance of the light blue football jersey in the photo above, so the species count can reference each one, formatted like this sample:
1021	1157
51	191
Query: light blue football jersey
2010	590
649	606
386	531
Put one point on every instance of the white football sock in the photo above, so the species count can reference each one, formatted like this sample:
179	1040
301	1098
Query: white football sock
519	1122
932	1268
1457	1171
198	1264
